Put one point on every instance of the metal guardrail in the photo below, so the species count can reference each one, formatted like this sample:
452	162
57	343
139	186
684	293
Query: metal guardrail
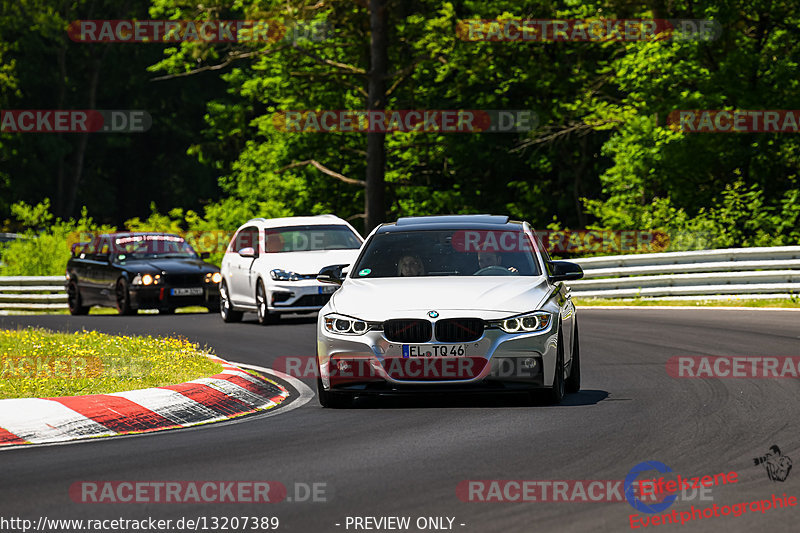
768	272
31	293
772	272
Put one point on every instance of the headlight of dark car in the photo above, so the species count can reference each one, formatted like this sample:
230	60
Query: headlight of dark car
527	323
213	277
146	279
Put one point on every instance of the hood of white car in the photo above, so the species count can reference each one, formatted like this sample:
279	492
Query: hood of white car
309	262
491	297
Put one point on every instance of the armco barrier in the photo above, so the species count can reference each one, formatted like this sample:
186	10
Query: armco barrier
32	293
772	272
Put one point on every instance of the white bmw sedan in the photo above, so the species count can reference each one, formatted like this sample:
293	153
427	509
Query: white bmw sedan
445	304
271	265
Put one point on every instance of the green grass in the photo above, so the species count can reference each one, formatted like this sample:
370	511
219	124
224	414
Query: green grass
38	363
767	302
106	311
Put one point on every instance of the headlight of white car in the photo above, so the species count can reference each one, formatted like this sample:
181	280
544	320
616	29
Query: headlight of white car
345	325
283	275
538	321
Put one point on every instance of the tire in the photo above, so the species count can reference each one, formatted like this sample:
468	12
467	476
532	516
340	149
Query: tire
74	301
573	383
332	400
264	316
556	393
226	310
123	298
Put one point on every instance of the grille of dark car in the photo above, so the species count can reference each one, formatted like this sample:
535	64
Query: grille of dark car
407	330
311	300
459	329
188	280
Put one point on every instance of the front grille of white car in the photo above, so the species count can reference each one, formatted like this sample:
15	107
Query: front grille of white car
409	330
459	329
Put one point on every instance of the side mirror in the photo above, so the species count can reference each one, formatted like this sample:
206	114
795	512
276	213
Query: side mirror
205	255
565	271
77	247
332	274
247	252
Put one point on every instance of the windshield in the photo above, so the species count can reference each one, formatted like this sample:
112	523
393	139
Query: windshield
152	246
310	238
447	253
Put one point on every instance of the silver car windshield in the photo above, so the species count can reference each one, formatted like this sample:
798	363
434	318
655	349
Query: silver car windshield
447	253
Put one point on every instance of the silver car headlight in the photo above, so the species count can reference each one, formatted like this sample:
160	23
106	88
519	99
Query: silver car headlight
345	325
283	275
538	321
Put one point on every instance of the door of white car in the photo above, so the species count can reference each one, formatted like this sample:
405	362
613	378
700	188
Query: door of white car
241	288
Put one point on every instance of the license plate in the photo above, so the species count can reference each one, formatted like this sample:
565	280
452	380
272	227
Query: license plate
327	289
192	291
435	350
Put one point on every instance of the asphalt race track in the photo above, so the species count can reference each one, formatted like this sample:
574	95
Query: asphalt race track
401	457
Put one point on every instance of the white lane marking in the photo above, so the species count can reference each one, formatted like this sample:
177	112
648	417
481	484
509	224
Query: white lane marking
172	405
28	419
306	394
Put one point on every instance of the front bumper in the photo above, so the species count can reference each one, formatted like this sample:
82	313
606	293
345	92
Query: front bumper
298	296
498	361
162	297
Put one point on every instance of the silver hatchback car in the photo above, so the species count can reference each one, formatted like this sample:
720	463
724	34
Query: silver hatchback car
446	304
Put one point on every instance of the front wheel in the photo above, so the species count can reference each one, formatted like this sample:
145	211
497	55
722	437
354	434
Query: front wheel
556	393
264	316
124	298
226	310
74	301
574	379
334	400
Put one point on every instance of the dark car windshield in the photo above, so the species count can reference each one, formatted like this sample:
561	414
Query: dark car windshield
447	253
308	238
152	246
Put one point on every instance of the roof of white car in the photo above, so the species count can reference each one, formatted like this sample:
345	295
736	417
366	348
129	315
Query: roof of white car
318	220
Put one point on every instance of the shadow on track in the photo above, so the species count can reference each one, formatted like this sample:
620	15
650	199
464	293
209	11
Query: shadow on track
468	400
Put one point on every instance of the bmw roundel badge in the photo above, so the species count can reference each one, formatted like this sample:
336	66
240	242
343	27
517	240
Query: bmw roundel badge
433	314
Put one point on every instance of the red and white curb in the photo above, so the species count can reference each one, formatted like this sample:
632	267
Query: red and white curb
230	394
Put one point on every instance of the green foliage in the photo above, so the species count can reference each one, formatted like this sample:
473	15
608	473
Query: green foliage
44	252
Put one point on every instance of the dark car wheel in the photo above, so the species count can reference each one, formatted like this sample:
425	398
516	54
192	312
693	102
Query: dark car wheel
124	298
334	400
574	379
264	316
226	310
74	301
